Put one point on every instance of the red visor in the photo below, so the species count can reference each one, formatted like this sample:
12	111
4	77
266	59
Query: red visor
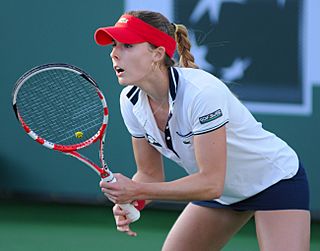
132	30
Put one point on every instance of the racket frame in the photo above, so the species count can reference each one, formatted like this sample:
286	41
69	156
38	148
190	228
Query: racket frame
72	150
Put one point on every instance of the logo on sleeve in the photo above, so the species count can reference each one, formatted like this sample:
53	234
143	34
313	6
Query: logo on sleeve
210	117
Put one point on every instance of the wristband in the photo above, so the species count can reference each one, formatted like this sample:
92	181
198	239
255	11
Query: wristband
141	204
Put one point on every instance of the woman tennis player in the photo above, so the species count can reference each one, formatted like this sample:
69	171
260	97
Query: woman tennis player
237	170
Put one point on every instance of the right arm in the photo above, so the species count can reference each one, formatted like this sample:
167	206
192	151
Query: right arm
149	169
149	162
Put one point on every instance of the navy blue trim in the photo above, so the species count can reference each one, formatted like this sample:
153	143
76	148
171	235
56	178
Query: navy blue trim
132	90
168	139
133	95
172	80
138	137
213	129
185	135
173	86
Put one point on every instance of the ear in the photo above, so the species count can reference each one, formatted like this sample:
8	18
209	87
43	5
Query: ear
159	53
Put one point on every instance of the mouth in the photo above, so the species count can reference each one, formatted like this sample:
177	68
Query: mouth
118	70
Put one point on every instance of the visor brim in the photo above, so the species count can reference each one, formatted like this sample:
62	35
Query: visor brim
105	36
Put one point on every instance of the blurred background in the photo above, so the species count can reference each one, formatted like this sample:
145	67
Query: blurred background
266	51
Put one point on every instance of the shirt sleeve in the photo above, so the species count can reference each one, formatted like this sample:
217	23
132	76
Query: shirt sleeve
209	110
131	122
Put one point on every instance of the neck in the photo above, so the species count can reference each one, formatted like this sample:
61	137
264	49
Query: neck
157	88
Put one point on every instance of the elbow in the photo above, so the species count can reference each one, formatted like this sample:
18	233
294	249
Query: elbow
218	193
212	187
212	192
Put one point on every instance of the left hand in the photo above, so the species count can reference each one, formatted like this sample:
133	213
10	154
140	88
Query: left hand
122	222
120	192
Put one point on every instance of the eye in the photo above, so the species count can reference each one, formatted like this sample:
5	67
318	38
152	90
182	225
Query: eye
128	45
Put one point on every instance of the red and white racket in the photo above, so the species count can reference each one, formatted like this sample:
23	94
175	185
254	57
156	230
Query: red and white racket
61	107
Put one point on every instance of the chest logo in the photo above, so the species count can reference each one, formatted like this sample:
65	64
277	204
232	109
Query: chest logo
210	117
152	140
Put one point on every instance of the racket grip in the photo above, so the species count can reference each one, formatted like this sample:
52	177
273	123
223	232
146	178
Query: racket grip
132	213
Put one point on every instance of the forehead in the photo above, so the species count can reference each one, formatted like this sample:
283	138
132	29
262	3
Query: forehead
135	44
144	46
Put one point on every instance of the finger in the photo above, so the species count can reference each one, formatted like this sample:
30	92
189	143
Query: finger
123	228
111	194
127	231
123	221
118	175
118	212
131	233
108	190
107	185
111	198
104	184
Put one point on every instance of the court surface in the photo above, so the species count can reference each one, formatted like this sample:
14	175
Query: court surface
67	227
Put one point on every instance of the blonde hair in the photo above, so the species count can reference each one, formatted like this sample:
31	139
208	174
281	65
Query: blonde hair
184	47
177	31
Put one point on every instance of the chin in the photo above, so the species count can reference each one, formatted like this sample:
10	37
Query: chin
123	83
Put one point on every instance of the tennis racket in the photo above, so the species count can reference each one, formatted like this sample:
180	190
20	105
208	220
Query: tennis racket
61	107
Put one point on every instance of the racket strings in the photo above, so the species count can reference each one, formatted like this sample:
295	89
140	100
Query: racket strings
57	103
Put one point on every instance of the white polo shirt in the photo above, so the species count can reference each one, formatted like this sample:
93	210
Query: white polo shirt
201	103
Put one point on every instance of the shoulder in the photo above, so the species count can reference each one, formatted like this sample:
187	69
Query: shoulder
195	83
199	79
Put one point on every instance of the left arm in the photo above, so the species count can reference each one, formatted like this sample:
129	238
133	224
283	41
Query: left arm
207	184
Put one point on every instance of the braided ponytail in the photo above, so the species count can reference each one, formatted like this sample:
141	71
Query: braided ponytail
184	46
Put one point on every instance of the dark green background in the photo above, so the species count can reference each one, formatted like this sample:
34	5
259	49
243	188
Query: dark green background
261	31
36	32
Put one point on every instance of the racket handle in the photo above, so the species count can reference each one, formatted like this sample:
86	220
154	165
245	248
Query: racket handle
132	213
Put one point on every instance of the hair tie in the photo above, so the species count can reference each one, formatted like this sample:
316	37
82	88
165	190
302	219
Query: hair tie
175	27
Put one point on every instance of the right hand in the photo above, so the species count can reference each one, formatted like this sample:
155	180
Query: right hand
122	221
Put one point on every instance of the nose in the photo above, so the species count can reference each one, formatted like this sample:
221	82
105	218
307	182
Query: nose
114	53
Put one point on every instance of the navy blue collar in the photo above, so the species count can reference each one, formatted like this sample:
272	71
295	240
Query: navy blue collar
173	82
173	74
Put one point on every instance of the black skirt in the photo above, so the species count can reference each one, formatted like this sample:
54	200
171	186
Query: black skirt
287	194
